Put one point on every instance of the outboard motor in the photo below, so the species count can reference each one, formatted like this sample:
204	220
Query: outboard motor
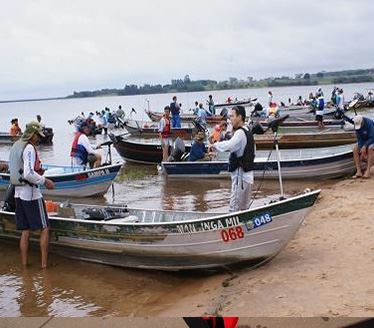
256	112
10	201
177	151
199	127
224	113
257	129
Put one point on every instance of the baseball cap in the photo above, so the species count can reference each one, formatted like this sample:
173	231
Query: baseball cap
357	121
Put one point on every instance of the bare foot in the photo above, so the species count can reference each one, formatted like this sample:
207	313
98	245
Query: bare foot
366	176
357	176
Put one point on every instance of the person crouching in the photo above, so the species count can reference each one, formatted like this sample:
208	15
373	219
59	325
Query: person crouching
82	152
364	149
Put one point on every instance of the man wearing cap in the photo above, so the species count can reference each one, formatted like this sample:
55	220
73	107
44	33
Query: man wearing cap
82	152
241	162
364	149
26	174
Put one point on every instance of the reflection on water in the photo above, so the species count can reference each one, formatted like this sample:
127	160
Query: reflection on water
73	288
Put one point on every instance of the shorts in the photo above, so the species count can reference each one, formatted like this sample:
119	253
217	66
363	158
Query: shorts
31	215
319	118
166	142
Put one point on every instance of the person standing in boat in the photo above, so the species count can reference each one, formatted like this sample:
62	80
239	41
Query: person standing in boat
320	110
270	97
202	116
242	153
211	106
15	130
39	120
340	100
82	152
26	175
175	110
364	149
164	129
196	110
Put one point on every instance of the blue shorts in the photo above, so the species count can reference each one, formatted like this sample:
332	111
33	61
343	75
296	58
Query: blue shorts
31	215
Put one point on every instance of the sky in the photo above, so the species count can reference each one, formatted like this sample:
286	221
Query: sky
52	48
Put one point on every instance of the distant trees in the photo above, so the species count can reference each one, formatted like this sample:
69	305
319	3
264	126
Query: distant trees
188	85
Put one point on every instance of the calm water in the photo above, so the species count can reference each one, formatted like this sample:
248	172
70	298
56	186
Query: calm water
72	288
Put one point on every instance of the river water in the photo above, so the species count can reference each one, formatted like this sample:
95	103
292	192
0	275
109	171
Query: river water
73	288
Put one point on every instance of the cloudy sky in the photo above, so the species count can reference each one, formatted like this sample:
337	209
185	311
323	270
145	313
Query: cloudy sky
51	48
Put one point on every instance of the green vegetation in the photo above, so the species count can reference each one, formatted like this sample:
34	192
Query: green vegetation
188	85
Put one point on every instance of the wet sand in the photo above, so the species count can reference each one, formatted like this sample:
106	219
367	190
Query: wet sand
327	270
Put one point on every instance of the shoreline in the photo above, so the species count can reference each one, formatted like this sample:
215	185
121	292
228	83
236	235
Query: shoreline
172	92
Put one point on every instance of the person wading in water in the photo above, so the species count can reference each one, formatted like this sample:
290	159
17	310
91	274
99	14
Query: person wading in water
26	175
164	130
242	153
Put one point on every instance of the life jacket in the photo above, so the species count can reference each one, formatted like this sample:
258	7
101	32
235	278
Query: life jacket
247	160
166	131
216	136
16	163
78	151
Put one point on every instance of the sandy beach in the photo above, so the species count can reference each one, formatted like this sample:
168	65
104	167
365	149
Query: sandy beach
327	270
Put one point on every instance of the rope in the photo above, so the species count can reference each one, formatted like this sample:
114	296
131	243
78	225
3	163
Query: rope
263	174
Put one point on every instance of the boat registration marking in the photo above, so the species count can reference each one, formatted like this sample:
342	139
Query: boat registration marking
208	225
258	221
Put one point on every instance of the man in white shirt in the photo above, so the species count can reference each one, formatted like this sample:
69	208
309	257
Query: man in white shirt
82	152
242	153
26	174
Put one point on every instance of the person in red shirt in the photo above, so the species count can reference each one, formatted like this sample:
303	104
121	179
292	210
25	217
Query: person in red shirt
164	130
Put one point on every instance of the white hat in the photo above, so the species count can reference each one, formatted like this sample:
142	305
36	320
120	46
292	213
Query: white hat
357	121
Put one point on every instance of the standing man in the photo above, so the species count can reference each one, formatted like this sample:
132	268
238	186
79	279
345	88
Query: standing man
340	99
242	153
164	130
270	97
175	113
202	115
82	152
364	149
26	174
320	110
39	119
211	106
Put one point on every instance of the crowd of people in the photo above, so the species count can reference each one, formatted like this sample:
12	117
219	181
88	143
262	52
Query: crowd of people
106	120
27	175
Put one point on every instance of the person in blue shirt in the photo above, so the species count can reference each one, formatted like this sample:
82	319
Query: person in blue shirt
175	110
364	149
202	115
198	149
